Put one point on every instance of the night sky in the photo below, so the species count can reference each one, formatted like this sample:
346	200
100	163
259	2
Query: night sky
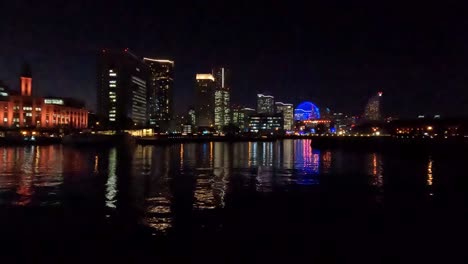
335	55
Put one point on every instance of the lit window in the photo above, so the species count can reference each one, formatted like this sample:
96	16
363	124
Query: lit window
112	85
38	109
5	119
113	74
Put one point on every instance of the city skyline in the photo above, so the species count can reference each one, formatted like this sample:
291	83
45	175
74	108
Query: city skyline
419	66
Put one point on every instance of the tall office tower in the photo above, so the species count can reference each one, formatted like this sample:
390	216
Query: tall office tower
265	104
288	114
192	116
222	97
160	92
122	81
205	100
373	108
221	110
222	77
238	117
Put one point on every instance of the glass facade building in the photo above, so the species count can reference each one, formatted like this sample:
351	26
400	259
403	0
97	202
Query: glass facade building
287	110
222	97
265	104
122	88
160	92
205	100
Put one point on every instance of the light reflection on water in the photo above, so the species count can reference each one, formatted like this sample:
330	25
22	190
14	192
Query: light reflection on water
166	183
111	184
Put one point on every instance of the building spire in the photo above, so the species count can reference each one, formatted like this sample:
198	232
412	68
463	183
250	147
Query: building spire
26	70
26	80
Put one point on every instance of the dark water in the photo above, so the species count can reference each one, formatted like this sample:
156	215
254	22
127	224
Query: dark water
237	203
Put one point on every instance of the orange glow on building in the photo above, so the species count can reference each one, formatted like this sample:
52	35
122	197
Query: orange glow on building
27	111
26	86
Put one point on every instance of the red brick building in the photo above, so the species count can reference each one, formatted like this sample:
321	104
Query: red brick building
23	110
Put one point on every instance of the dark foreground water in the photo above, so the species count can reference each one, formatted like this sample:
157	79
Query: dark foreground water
231	203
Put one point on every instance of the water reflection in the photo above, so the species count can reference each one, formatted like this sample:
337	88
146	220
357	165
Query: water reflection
429	172
163	185
111	184
429	176
30	175
375	169
158	197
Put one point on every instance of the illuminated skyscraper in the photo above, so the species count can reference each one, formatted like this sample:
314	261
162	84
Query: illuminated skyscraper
221	110
373	108
288	114
238	117
265	104
192	116
122	89
160	91
205	100
222	77
222	97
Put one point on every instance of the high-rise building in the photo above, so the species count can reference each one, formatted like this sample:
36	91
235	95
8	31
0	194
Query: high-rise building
122	89
222	77
192	116
221	110
222	97
238	117
205	100
373	108
265	104
160	90
287	110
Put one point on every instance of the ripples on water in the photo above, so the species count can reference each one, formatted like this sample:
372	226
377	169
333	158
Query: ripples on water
162	182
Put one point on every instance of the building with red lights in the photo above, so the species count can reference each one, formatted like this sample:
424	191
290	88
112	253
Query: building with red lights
21	110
